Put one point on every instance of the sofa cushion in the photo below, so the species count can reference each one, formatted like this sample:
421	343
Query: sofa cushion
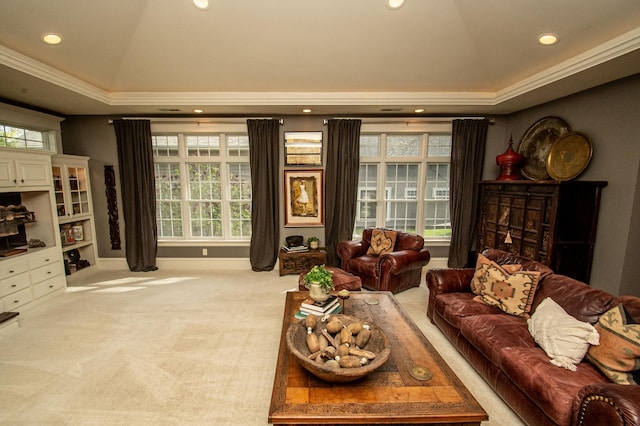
490	333
482	264
512	293
382	241
581	301
453	306
553	389
618	355
563	338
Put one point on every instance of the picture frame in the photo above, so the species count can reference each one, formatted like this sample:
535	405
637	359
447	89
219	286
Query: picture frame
303	148
304	198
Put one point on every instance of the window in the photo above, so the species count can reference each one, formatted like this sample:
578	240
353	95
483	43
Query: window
404	183
22	138
203	186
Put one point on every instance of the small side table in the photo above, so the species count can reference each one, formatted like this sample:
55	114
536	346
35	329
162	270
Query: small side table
295	263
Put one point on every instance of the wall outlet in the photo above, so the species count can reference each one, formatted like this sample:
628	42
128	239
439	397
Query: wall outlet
204	251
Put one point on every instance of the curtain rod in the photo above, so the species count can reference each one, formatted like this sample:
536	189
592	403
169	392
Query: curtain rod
203	120
426	120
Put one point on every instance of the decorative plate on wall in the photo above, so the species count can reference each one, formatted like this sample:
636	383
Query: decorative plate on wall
536	144
569	156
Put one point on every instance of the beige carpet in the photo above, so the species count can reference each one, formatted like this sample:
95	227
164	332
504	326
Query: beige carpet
167	348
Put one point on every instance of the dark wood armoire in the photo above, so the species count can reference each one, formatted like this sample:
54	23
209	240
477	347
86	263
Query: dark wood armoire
552	222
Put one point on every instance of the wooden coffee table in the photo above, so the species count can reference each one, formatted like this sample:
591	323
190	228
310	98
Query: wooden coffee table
390	395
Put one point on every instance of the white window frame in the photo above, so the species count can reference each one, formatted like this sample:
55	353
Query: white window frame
48	142
223	131
383	130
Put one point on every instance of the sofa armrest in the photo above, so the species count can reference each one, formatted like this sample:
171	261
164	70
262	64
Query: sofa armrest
607	403
349	249
398	262
449	280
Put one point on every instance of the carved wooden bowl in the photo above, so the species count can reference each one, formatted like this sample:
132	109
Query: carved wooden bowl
297	345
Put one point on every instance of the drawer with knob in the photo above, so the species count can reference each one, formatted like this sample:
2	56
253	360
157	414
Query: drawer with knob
42	258
14	283
48	286
11	268
17	299
45	272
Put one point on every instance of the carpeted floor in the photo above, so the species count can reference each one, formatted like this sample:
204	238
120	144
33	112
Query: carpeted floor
167	348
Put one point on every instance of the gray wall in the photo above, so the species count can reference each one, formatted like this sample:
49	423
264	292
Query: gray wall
608	115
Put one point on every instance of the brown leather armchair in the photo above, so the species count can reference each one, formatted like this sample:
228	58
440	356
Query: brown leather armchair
396	271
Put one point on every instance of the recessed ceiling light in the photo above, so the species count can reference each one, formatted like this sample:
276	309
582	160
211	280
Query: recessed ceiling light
395	4
198	111
306	110
418	110
52	38
548	39
202	4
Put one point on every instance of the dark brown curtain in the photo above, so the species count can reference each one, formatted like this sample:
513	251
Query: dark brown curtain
341	183
135	158
468	141
264	156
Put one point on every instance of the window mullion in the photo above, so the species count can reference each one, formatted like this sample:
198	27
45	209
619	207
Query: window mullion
422	183
224	182
382	182
422	179
184	182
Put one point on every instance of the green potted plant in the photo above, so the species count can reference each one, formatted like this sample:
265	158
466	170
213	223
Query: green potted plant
313	242
319	281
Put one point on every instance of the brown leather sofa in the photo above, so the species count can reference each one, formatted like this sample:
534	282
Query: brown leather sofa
500	347
395	272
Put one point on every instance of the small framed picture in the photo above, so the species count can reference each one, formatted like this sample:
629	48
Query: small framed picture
304	198
303	148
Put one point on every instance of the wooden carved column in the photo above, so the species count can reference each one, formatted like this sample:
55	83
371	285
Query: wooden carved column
112	207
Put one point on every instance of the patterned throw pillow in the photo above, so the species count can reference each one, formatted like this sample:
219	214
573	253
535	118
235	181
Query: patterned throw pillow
618	355
511	293
382	241
481	269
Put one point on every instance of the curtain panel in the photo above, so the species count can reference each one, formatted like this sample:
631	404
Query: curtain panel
137	179
468	141
341	184
264	158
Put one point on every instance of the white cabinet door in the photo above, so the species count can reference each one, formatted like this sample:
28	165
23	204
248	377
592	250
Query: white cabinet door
33	173
7	173
23	172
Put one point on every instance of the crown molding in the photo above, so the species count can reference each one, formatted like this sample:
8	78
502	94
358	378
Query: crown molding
44	72
298	98
612	49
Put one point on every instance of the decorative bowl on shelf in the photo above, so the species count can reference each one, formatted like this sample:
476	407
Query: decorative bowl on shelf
297	345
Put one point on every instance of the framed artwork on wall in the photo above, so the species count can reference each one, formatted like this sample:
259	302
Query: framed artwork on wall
303	148
304	198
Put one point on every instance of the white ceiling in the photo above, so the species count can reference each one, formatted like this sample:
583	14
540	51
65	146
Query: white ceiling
339	57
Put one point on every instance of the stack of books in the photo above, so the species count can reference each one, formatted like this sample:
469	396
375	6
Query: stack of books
295	249
310	307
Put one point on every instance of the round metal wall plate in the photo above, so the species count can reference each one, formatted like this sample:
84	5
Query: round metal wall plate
569	156
536	143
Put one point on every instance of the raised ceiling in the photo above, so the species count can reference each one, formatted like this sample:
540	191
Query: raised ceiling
342	57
